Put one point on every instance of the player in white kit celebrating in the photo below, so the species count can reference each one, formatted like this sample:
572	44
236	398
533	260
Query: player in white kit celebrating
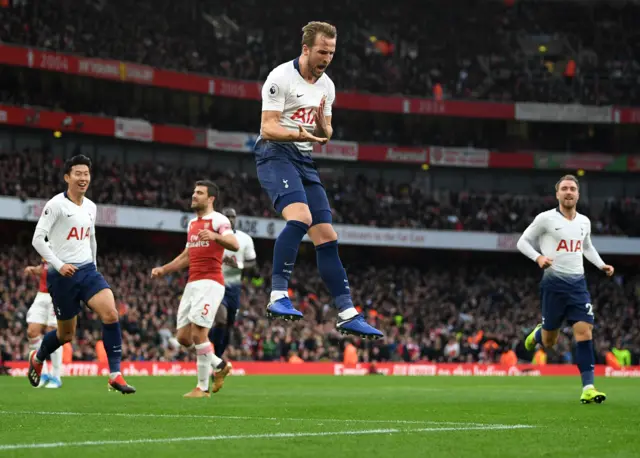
209	234
41	319
297	99
68	222
233	264
564	237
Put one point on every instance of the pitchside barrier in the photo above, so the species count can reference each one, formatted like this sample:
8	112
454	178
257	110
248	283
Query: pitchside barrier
19	369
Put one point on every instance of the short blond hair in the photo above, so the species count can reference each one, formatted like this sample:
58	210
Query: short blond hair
315	28
570	178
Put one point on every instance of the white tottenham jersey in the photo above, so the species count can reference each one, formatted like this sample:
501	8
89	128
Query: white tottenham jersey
246	252
286	91
70	229
561	240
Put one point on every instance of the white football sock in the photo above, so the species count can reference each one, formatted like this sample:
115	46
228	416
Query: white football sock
275	295
34	344
215	362
204	361
347	314
56	363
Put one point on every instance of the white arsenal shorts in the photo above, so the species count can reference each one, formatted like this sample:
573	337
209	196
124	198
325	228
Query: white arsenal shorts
199	303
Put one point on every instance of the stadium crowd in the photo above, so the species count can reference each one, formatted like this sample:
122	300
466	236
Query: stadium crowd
473	49
441	311
354	200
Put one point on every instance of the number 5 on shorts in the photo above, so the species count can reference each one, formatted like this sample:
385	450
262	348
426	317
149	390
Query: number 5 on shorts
589	309
205	310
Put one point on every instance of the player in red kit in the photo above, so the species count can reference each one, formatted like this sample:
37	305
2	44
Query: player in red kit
41	319
209	234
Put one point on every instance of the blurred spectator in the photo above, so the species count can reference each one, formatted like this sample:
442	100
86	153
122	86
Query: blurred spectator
354	199
450	312
482	50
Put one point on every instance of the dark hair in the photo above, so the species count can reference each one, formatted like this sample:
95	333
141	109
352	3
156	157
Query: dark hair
212	188
568	178
79	159
229	212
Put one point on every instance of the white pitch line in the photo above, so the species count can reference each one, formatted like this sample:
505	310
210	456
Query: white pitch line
236	417
255	436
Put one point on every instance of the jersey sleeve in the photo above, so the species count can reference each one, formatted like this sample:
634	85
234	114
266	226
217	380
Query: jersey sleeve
274	91
590	252
249	250
92	240
531	236
47	220
331	98
222	225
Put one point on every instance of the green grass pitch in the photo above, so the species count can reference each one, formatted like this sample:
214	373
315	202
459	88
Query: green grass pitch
306	416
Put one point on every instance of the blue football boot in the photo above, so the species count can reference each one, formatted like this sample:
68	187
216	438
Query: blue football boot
283	308
358	326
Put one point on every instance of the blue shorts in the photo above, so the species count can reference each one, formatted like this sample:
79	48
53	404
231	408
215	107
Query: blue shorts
289	177
564	298
68	292
231	301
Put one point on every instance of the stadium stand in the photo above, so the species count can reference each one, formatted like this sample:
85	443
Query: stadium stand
355	200
382	51
485	307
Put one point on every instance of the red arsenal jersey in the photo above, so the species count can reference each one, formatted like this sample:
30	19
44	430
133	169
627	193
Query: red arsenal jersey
205	257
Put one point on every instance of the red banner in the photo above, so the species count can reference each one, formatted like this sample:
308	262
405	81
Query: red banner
139	130
399	154
191	82
142	74
458	157
152	368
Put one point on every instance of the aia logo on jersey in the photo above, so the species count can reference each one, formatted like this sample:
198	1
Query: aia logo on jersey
305	115
79	235
570	246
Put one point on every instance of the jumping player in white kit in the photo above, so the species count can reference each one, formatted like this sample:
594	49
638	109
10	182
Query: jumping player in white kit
297	99
209	234
564	237
233	264
41	319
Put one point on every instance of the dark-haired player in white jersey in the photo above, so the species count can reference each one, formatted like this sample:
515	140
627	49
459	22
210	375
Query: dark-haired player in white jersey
68	222
296	113
564	237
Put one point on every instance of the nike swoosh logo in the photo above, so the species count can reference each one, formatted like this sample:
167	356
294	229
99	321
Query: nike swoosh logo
558	228
299	95
69	216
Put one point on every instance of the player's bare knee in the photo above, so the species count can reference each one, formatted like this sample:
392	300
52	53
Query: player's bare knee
322	233
183	336
582	332
109	316
65	335
34	330
549	338
199	334
297	211
185	341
